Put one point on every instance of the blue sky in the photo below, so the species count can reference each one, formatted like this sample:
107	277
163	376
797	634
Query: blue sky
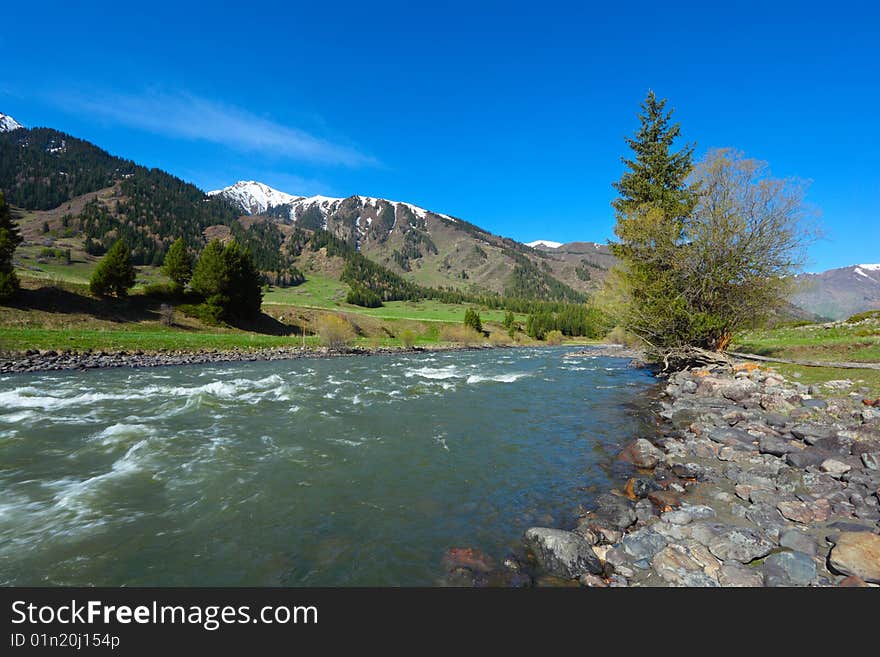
510	115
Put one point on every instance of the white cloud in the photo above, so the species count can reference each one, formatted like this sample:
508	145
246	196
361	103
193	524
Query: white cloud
186	116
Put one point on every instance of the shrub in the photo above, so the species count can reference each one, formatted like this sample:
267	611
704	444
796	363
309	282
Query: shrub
166	314
860	317
619	335
335	332
460	334
408	338
553	337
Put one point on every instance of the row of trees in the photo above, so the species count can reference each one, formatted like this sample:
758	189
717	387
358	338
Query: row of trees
224	277
705	249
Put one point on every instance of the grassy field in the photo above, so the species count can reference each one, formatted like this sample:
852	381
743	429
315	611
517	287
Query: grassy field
816	342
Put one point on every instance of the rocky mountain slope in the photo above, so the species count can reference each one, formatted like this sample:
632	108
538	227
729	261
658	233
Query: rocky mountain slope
839	293
8	124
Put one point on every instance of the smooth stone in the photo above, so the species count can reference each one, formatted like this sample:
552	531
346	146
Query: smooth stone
871	460
857	553
810	433
789	569
834	467
730	437
643	544
687	513
615	510
814	403
561	553
799	542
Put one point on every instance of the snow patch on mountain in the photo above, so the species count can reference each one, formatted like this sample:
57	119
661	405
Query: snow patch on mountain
254	197
8	124
549	244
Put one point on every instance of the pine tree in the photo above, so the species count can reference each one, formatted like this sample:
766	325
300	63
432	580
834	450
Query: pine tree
228	281
472	319
9	240
655	203
178	264
115	273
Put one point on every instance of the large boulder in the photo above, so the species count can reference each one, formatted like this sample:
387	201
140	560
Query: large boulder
561	553
739	544
857	553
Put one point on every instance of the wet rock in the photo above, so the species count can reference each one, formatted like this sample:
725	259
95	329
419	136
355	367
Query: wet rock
789	569
665	500
798	541
834	467
614	510
468	558
857	553
561	553
736	575
639	487
642	454
740	544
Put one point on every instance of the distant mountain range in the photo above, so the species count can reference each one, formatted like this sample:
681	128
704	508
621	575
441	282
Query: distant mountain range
76	193
839	293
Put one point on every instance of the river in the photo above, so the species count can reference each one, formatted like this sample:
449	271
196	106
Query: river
336	472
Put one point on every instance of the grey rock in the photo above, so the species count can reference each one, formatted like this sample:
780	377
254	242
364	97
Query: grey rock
645	510
687	513
730	437
810	433
739	391
775	446
871	460
562	553
805	458
776	420
836	444
740	544
642	545
789	569
814	403
799	541
615	510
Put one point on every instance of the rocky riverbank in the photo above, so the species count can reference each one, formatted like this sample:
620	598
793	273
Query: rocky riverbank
50	360
751	480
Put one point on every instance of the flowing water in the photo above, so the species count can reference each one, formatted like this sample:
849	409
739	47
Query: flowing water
343	471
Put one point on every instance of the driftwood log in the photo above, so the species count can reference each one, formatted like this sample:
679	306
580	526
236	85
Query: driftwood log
808	363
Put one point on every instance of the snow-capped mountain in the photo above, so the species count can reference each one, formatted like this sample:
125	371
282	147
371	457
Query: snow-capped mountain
547	243
254	197
839	293
8	124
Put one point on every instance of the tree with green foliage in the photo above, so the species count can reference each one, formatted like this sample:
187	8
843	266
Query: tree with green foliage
178	264
655	203
510	323
115	273
228	281
704	251
9	241
472	319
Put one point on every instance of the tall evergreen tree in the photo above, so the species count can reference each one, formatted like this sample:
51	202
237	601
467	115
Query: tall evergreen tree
655	203
178	264
115	273
9	240
228	280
